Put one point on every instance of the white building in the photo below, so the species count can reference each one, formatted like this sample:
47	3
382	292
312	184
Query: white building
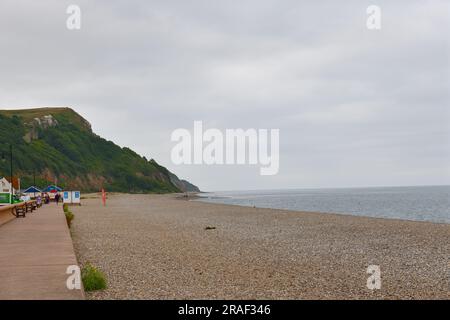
5	186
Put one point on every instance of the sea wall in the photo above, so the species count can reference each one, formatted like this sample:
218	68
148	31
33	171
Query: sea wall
6	214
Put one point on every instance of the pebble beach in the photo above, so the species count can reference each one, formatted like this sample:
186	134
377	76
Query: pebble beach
167	247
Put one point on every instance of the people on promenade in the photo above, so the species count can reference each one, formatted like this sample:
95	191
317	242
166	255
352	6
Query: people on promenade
39	200
57	197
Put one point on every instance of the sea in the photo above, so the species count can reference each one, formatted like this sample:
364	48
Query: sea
423	203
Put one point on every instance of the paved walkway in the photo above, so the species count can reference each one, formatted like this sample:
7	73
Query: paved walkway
34	254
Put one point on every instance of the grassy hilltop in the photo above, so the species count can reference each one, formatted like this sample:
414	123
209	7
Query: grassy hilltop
58	142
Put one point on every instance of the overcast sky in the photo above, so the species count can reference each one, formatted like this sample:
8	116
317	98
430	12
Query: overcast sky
355	107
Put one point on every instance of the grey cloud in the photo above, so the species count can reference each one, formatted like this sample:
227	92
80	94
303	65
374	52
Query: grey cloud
354	107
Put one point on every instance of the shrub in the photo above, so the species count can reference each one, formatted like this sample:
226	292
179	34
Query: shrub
65	207
69	217
93	279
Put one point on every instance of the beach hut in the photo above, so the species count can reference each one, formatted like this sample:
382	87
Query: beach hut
52	189
32	191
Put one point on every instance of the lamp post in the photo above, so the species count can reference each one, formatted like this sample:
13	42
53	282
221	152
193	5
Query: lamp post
11	167
34	183
11	171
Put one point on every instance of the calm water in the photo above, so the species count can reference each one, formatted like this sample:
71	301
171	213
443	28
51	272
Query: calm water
408	203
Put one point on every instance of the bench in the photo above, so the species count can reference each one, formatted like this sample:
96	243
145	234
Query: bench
29	207
20	211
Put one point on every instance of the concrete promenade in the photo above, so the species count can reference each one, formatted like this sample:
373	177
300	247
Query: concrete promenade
34	255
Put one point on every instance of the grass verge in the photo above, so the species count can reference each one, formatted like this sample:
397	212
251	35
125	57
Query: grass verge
93	279
69	217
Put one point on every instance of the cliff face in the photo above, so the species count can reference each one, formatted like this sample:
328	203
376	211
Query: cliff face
58	144
183	185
